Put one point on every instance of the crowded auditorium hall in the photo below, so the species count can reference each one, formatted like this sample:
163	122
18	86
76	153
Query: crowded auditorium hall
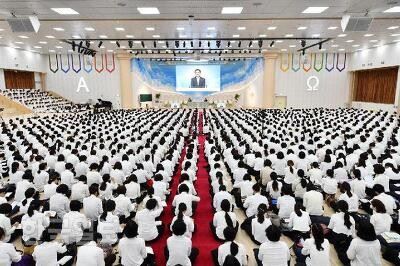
200	132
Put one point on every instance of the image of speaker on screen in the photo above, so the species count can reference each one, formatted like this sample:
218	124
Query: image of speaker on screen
198	81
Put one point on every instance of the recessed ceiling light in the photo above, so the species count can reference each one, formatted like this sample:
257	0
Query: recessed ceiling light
356	45
102	47
241	28
16	47
279	41
283	50
289	35
292	46
182	36
342	35
110	51
209	35
137	42
58	47
323	50
37	47
271	28
23	37
51	51
316	35
64	11
42	42
398	40
395	34
232	10
235	36
119	29
19	42
393	27
301	28
122	47
262	35
58	29
334	45
103	36
148	10
341	49
1	29
376	45
350	41
89	29
180	28
76	36
332	28
113	42
395	9
315	9
156	36
368	35
150	28
161	42
374	41
210	28
129	36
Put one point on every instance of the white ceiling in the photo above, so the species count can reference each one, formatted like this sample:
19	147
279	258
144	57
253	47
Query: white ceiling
105	15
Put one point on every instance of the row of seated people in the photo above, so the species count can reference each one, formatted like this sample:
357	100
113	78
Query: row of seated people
94	194
41	101
287	188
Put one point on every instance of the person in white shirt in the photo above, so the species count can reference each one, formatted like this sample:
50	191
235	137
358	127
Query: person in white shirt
106	187
387	200
80	190
108	226
186	219
73	224
149	228
132	188
59	202
381	220
179	249
223	219
8	254
33	223
221	195
329	186
380	177
300	223
349	197
274	187
5	223
82	167
46	253
259	225
93	176
252	202
358	184
285	203
41	177
317	248
313	201
90	255
132	249
365	249
51	188
185	197
230	248
92	205
124	208
67	176
273	252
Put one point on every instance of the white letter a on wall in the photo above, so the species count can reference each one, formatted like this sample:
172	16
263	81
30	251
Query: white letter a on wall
82	85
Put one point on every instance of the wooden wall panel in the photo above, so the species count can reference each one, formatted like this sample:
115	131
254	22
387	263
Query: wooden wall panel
19	79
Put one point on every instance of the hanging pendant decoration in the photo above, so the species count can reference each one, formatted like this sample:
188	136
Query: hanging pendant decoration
96	66
77	70
87	63
52	69
307	62
318	62
296	61
110	66
66	70
341	66
285	62
332	66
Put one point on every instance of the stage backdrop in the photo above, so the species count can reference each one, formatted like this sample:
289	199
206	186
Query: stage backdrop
244	77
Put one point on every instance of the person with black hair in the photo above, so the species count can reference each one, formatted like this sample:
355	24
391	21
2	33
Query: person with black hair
221	195
316	249
82	168
149	228
365	249
380	219
90	254
160	187
230	248
387	200
23	185
315	174
380	177
132	248
329	186
259	224
273	251
185	197
223	219
93	176
6	224
299	222
106	187
92	205
117	175
252	202
285	203
132	188
108	226
343	228
59	202
274	187
179	250
8	254
51	187
73	224
68	175
358	184
45	253
181	216
246	186
351	198
265	173
80	190
124	208
41	177
33	223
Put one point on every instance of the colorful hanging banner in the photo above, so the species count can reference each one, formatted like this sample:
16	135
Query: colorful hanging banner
318	61
330	62
77	70
307	62
62	63
87	63
96	63
341	63
285	62
296	62
110	66
52	69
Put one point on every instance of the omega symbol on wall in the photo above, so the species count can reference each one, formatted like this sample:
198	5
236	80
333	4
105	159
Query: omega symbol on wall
312	83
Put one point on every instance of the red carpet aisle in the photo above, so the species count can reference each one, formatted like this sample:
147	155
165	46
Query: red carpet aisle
159	245
203	238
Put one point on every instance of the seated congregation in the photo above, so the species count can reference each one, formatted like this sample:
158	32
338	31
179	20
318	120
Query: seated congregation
122	187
